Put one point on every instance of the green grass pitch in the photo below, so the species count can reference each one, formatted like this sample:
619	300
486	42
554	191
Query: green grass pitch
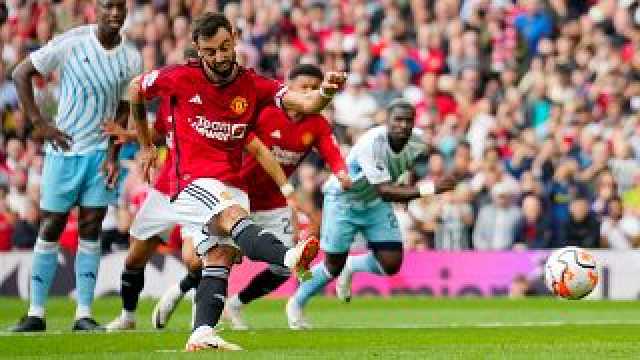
368	328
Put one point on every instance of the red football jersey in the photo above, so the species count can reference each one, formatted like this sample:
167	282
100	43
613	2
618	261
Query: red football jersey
289	141
163	126
211	123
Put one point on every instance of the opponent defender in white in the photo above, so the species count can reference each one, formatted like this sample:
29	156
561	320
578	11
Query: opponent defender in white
377	163
96	63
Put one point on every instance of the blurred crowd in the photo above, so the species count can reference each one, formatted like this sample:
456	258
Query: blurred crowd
532	105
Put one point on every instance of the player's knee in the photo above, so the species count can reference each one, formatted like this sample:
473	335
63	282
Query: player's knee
52	226
392	267
335	263
225	221
90	223
192	261
139	254
390	262
222	255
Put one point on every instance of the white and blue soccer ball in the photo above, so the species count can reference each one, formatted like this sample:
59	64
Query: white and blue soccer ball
571	273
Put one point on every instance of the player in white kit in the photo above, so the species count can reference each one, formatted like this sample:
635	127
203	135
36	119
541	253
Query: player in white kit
378	165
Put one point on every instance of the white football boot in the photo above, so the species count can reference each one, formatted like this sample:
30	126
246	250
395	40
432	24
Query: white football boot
121	323
233	313
295	316
206	338
166	306
343	284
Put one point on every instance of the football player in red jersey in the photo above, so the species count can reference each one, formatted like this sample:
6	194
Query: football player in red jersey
214	104
290	135
150	227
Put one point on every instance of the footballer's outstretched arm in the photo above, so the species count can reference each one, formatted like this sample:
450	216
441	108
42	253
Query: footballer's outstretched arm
329	150
314	101
403	193
263	155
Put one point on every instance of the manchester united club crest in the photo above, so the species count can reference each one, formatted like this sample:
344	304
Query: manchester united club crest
239	105
307	138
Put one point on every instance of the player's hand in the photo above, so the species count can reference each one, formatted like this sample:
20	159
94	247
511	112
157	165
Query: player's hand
447	183
112	128
111	170
333	82
147	157
345	180
59	140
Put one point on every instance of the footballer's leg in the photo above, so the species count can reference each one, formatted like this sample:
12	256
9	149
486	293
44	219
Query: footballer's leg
322	273
260	245
170	299
210	299
86	266
45	263
132	281
153	219
339	226
385	243
278	222
224	211
62	181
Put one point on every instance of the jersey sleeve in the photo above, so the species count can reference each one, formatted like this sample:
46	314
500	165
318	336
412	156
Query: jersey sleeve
49	57
269	92
157	83
328	146
371	158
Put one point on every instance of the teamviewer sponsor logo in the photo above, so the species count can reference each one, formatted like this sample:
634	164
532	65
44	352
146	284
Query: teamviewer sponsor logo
221	131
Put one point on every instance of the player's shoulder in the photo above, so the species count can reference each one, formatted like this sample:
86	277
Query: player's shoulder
316	120
72	36
258	79
416	141
271	110
130	49
177	70
417	135
374	135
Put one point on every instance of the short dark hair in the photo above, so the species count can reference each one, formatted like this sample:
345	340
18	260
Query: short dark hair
208	24
307	70
400	103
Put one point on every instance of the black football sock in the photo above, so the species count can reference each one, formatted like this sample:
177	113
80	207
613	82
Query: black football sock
257	244
261	284
131	284
190	281
210	296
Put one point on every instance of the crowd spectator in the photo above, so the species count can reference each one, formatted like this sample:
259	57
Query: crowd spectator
582	229
533	229
540	98
495	227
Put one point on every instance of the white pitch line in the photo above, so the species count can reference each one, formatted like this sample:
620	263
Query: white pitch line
454	325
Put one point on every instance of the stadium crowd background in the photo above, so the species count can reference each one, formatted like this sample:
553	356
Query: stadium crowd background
532	105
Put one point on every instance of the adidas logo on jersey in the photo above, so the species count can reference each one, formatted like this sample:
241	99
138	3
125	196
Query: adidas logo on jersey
196	100
276	134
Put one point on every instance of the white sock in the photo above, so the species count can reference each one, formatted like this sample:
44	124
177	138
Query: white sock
83	311
203	329
234	301
37	311
128	315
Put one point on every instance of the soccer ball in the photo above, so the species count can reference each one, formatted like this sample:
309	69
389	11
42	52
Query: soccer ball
571	273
